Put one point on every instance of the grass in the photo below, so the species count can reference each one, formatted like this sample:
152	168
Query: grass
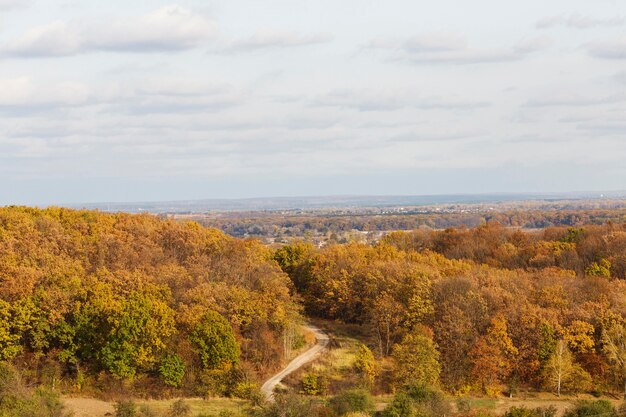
483	403
88	407
199	406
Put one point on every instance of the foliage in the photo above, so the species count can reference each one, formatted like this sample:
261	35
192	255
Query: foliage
17	400
125	409
172	370
417	360
352	401
100	295
314	384
289	405
215	342
530	412
179	408
365	364
591	409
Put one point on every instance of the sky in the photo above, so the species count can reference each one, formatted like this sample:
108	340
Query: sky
148	100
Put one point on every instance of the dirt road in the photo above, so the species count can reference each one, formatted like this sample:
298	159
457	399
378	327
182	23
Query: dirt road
299	361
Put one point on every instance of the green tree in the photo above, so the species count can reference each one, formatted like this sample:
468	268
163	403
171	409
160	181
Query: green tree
172	370
138	334
215	342
9	341
417	360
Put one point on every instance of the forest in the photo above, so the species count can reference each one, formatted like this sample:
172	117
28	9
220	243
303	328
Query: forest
116	305
339	227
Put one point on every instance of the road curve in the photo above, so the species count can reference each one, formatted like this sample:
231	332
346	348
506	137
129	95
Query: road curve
298	362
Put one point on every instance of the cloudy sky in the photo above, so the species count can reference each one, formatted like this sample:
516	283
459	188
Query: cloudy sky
150	100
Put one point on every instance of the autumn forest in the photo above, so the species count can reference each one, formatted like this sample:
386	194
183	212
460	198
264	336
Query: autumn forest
111	305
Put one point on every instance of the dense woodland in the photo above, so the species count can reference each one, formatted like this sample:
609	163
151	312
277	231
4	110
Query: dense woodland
91	300
488	308
100	303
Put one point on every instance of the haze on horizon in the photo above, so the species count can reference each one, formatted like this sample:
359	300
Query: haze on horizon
189	99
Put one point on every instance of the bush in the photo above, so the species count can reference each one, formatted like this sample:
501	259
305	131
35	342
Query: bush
313	384
400	406
16	400
249	391
125	409
352	401
592	409
527	412
288	405
179	409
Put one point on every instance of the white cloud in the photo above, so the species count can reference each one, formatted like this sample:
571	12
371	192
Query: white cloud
578	21
21	95
268	38
369	100
535	44
13	4
608	49
447	48
170	28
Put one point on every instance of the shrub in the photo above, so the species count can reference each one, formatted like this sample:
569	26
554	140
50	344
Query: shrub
400	406
179	409
352	401
592	408
313	384
125	409
527	412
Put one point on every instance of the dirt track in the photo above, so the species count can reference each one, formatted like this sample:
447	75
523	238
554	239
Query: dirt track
299	361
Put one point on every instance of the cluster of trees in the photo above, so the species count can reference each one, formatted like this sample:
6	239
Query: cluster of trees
89	299
466	325
318	224
592	249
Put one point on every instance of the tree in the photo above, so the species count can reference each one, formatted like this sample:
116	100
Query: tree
9	341
493	354
215	342
559	366
172	370
138	334
365	364
386	315
614	341
579	336
417	360
562	373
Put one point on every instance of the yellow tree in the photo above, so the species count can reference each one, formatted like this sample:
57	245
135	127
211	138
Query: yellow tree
559	366
614	341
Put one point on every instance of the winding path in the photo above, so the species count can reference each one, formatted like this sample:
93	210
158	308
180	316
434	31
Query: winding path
298	362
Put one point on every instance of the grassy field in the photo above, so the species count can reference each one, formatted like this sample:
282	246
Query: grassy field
89	407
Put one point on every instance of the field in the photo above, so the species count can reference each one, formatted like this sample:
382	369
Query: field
89	407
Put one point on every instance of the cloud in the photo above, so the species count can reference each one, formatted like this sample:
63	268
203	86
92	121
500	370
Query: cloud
530	45
13	4
608	49
438	136
578	21
269	39
20	96
575	100
362	100
23	97
170	28
446	48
